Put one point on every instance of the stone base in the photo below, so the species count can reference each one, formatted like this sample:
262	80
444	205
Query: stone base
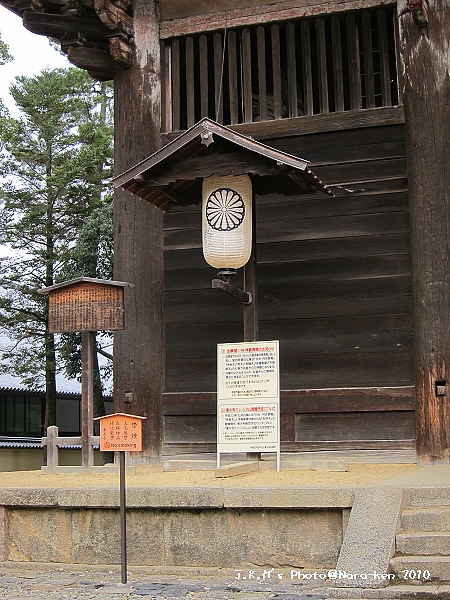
193	527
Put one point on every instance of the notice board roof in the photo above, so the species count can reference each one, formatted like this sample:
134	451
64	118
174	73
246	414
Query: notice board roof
119	414
78	280
173	174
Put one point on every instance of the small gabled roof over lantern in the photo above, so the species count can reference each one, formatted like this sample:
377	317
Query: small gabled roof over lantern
173	175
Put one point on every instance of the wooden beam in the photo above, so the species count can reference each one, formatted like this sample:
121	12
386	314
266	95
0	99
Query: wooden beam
138	237
92	59
232	290
72	38
426	97
270	12
121	51
168	193
111	14
58	25
304	401
73	8
351	119
235	163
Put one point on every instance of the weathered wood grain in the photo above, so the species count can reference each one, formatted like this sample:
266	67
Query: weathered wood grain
303	401
138	350
384	58
334	287
386	425
426	95
183	19
288	127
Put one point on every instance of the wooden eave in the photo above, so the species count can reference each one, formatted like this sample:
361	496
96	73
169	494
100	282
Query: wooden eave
164	177
96	35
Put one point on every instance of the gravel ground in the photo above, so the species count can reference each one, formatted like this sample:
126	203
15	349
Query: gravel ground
20	582
149	476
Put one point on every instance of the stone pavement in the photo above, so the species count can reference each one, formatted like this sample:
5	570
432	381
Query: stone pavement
22	581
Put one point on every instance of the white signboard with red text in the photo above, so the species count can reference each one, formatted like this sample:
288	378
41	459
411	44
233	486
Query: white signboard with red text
248	398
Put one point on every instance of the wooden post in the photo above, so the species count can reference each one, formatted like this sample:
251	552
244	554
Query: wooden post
251	329
424	52
138	350
87	400
52	449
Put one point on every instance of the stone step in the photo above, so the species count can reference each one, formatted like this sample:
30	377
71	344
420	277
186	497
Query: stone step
428	496
427	543
397	592
436	518
417	569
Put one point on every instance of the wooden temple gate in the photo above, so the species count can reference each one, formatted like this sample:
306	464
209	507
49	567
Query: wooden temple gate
355	287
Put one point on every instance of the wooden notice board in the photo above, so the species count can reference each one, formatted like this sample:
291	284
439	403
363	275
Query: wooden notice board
86	304
120	432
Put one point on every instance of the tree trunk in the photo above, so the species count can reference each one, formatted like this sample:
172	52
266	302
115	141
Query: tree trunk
138	238
424	54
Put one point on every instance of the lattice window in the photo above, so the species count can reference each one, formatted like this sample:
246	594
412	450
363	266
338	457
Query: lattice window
21	415
281	70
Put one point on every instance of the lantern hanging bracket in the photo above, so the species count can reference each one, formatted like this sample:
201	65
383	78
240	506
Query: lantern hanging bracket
232	290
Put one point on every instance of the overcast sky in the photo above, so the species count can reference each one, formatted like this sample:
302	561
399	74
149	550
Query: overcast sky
31	53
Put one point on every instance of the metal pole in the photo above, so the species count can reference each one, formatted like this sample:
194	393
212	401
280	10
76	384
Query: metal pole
87	399
123	518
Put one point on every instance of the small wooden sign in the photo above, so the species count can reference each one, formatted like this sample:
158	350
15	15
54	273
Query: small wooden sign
85	304
120	432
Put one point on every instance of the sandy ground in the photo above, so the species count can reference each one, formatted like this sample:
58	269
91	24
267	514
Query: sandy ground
154	476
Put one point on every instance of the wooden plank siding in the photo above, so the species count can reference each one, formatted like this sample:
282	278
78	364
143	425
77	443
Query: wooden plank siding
371	418
334	288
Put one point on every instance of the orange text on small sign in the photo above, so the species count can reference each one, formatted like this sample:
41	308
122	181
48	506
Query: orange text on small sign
119	433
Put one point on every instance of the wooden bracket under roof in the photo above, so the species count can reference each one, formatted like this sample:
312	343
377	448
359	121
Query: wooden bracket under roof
97	36
172	176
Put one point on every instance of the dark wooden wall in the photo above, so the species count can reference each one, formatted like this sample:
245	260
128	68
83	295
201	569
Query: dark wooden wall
334	288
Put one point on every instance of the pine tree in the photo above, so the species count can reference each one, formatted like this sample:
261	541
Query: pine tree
4	53
56	158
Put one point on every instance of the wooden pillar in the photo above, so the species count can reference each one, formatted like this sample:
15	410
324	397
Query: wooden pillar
250	311
138	349
424	57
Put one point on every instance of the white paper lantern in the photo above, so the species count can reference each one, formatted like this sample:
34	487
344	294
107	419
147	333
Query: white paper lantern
227	221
